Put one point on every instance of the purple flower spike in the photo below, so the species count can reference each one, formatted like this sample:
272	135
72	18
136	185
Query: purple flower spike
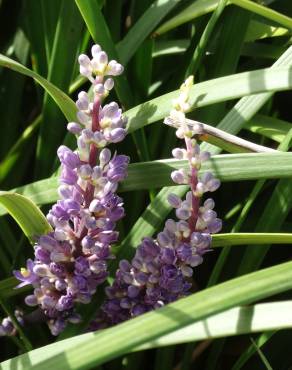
159	272
71	261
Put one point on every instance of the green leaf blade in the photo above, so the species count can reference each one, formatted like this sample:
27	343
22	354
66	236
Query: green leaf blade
80	352
28	216
66	105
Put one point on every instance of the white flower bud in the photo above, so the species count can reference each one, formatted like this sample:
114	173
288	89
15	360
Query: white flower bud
83	101
83	117
83	149
114	68
163	239
85	71
182	214
104	156
96	173
87	135
186	271
60	234
102	57
209	203
96	49
174	200
74	128
85	171
109	84
41	270
179	177
84	61
170	225
99	89
179	153
204	156
200	189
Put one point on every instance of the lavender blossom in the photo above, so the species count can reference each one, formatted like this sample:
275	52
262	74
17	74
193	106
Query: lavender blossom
71	261
161	269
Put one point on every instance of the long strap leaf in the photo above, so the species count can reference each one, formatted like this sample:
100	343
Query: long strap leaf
88	350
28	216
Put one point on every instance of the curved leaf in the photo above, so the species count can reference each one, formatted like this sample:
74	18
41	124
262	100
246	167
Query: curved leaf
237	321
211	92
251	350
98	28
227	167
88	350
26	214
7	287
271	127
66	105
195	10
145	175
201	7
136	35
221	240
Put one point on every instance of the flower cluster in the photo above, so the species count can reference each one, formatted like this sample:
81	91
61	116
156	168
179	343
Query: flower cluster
7	327
71	261
161	269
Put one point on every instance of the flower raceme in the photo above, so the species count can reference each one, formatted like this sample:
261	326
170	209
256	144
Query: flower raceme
71	261
161	269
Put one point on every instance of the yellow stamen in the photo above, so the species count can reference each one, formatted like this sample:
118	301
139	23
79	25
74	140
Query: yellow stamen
24	272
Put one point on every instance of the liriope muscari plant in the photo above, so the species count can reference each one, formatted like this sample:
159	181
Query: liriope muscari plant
71	261
161	269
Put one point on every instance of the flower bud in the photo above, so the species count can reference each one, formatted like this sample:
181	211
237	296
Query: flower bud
174	200
95	50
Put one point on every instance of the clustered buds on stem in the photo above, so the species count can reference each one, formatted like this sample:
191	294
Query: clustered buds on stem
7	327
71	261
161	269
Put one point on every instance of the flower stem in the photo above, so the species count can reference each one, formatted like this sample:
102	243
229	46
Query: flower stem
193	184
95	127
89	192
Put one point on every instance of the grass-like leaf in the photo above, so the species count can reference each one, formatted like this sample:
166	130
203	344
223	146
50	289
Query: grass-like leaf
237	321
201	7
66	105
26	214
65	47
100	33
12	157
258	30
202	94
81	352
195	10
143	27
248	106
222	240
271	127
211	92
7	288
156	174
251	350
